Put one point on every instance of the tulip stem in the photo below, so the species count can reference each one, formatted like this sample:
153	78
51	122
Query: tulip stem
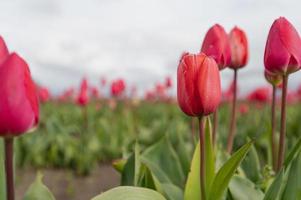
9	143
192	130
202	158
273	124
281	152
215	126
233	116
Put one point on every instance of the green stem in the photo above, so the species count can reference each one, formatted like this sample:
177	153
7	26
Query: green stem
233	116
273	124
9	170
202	158
281	152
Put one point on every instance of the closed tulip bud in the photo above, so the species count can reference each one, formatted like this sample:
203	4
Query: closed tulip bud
216	44
239	48
198	85
19	107
274	79
283	48
3	50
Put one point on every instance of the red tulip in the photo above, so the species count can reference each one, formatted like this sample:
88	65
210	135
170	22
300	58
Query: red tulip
216	44
244	109
261	94
95	92
3	50
228	94
19	107
117	87
239	48
198	85
44	94
274	79
283	48
83	98
168	82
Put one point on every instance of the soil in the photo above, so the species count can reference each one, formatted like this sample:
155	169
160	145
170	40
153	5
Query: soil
65	185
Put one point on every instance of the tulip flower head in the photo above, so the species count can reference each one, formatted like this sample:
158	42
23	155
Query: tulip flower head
283	48
44	94
274	79
198	85
83	97
239	48
216	44
261	95
168	82
19	106
117	87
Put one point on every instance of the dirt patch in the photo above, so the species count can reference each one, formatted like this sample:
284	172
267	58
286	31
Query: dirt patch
65	185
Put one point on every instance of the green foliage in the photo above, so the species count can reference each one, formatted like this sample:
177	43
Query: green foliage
38	190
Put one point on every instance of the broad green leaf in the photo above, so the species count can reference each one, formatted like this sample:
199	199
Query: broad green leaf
275	190
172	192
251	165
243	189
146	178
292	190
129	193
192	188
2	172
164	163
293	153
37	190
130	174
226	172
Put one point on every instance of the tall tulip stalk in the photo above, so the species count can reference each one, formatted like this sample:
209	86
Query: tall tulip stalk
19	107
282	57
239	59
83	99
199	94
274	80
216	45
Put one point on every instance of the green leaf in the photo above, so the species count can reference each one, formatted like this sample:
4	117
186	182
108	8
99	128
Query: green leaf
37	190
243	189
274	191
251	165
130	174
129	193
226	172
172	192
119	164
192	188
2	172
292	153
293	187
164	163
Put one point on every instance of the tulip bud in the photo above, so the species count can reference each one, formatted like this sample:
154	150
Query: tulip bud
239	48
19	107
216	44
198	85
3	50
283	48
274	79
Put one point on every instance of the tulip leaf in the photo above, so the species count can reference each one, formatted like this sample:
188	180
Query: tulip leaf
192	188
129	193
224	175
292	190
275	190
172	192
243	189
251	165
164	163
293	153
37	190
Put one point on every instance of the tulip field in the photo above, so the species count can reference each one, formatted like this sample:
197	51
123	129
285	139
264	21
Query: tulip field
201	143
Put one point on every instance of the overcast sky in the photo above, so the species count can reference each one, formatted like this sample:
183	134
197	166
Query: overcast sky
139	40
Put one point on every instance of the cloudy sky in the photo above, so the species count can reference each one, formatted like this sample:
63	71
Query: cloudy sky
139	40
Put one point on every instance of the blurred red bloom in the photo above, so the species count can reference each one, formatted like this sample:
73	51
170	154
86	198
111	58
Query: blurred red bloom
44	94
118	87
244	108
261	94
83	98
168	82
